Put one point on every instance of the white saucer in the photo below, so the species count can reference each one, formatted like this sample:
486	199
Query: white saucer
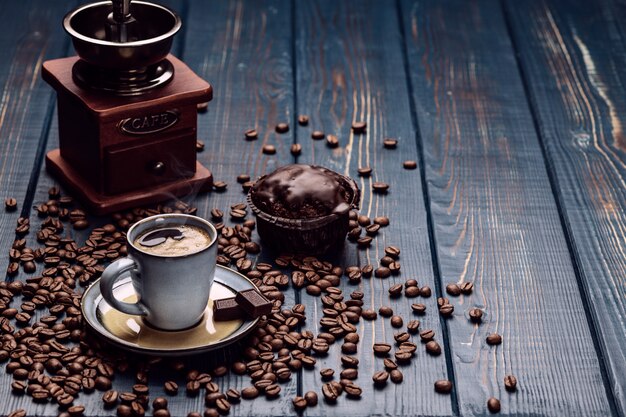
132	333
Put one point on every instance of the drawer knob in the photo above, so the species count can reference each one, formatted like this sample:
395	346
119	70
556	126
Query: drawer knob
158	168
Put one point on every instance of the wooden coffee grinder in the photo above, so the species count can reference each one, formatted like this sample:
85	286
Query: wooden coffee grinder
127	108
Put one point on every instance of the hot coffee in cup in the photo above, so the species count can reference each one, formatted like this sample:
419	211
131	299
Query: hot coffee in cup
171	260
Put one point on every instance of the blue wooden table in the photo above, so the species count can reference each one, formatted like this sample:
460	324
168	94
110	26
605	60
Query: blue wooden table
515	113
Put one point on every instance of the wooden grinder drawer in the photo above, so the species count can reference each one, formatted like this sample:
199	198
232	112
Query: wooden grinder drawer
143	165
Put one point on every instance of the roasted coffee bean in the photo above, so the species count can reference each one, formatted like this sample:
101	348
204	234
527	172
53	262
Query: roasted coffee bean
443	386
162	412
20	412
303	120
249	393
202	107
427	335
425	292
380	187
380	377
510	383
364	171
192	388
369	314
382	272
330	392
413	326
317	135
332	141
349	373
199	146
170	387
385	311
159	403
401	337
299	403
211	398
220	186
466	287
493	404
124	411
433	348
359	126
409	164
390	143
282	128
223	405
349	361
327	373
109	398
10	204
311	398
251	134
494	339
381	349
411	292
395	290
141	389
476	315
453	289
418	308
349	348
396	321
396	376
353	390
269	149
296	149
210	412
446	310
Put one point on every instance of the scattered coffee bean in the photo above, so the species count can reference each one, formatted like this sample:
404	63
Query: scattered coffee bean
476	315
251	134
269	149
396	321
332	141
353	390
413	326
380	187
425	292
395	290
159	403
317	135
220	186
396	376
382	272
199	146
311	398
170	387
303	120
381	349
359	126
327	373
299	403
10	204
210	412
380	377
109	398
446	310
453	289
249	393
385	311
409	164
296	149
202	107
433	348
282	128
427	335
493	404
390	143
443	386
510	383
369	314
494	339
330	392
418	308
467	287
364	171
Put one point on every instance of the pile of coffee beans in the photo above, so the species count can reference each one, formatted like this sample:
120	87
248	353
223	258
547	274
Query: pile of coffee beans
53	358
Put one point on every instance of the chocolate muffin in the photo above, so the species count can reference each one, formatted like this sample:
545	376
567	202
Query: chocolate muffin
303	208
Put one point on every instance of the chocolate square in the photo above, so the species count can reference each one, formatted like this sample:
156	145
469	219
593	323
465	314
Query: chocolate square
226	309
254	303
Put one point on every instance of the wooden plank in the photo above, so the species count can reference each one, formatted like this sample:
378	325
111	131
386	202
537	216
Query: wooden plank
350	67
571	55
32	33
495	220
243	49
222	41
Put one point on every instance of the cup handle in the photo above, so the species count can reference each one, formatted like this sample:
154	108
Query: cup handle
111	274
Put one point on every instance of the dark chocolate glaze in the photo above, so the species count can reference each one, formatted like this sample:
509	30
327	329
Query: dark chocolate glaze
298	187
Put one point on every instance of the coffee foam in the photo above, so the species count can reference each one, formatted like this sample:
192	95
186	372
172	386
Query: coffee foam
194	240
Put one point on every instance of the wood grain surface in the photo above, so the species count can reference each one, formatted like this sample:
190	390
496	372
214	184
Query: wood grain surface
495	219
349	67
571	54
32	33
519	187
